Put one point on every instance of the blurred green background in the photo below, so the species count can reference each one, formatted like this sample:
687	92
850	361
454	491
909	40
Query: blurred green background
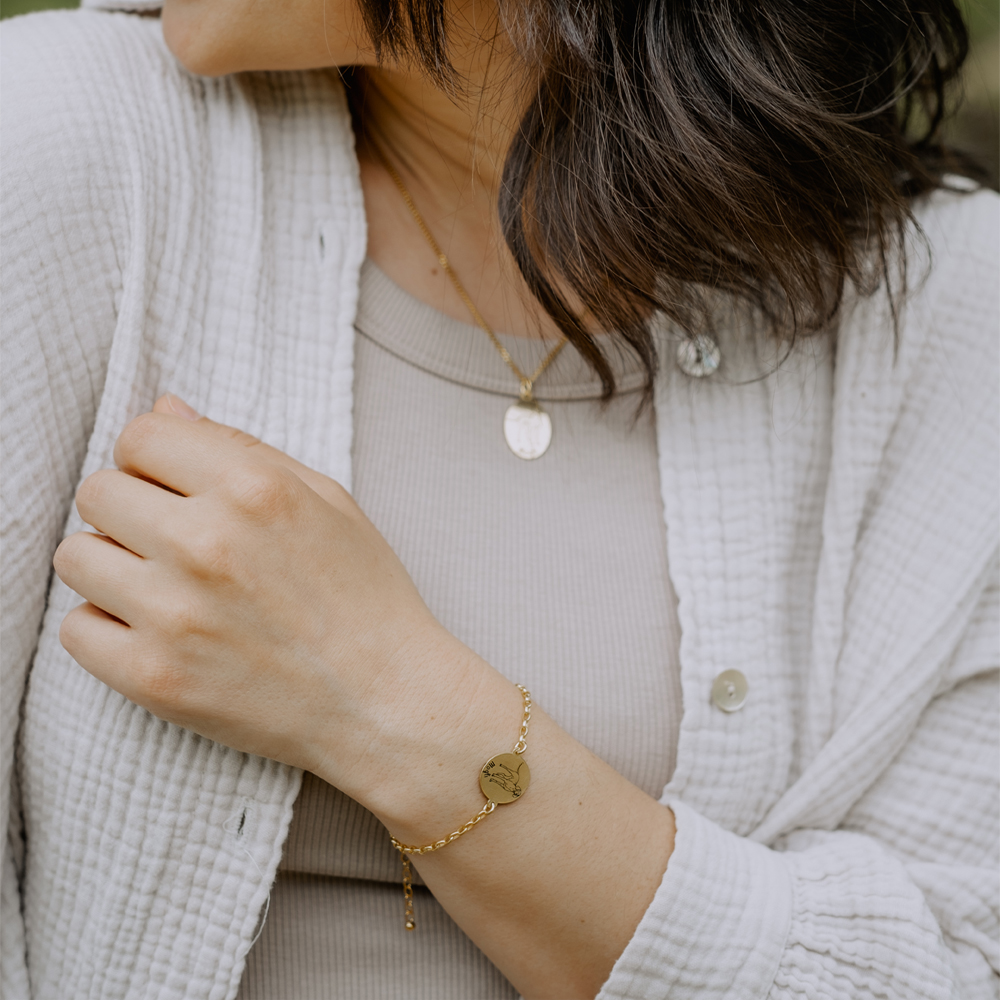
975	128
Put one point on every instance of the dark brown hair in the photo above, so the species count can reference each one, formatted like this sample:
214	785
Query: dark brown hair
768	149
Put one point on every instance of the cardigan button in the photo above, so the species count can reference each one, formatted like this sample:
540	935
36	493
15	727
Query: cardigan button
729	691
698	356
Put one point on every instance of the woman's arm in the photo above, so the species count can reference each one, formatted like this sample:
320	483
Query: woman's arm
276	621
273	617
550	887
900	902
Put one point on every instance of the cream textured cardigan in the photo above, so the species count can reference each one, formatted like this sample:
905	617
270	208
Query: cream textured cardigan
831	530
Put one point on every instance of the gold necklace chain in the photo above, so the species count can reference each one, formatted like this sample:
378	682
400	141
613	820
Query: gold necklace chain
527	381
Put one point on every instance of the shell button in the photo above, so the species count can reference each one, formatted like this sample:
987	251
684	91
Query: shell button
698	356
729	691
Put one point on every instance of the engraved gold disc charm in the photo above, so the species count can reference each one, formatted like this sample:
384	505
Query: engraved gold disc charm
527	429
504	778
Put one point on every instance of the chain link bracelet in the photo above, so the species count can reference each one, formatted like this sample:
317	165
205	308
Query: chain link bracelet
503	778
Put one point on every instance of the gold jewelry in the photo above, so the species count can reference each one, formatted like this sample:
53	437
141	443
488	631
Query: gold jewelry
527	428
503	778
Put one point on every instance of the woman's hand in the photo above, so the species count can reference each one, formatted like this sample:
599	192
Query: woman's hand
237	593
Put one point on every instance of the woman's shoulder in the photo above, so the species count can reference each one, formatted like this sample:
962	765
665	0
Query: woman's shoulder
91	99
105	136
87	85
73	70
947	317
922	368
960	223
96	96
82	42
953	280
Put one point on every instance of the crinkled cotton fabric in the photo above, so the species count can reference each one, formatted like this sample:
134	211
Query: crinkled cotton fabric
831	522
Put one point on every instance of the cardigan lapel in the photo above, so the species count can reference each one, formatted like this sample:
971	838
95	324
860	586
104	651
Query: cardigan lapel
804	543
906	556
743	464
240	299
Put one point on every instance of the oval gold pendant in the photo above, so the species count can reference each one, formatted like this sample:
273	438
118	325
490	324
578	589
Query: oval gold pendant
504	778
527	429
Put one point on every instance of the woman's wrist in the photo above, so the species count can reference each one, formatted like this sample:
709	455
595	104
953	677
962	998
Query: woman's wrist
574	863
441	713
468	730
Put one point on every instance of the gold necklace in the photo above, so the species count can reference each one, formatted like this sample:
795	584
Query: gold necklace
527	428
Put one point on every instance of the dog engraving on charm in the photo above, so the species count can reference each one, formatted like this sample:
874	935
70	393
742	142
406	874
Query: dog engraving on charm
504	778
527	429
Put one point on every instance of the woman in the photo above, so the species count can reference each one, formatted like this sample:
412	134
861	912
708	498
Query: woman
761	725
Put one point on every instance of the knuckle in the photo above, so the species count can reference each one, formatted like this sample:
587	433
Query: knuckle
93	492
67	555
209	553
260	493
135	436
236	436
175	618
71	632
337	495
158	682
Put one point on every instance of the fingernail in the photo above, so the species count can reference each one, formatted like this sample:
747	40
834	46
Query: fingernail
181	408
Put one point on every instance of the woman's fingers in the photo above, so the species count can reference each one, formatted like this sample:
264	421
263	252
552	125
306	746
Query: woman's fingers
183	455
101	645
110	651
189	455
102	572
129	510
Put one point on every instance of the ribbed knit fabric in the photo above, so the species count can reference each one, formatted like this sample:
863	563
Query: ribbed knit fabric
554	570
342	938
831	524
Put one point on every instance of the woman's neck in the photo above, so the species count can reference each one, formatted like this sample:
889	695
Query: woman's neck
449	151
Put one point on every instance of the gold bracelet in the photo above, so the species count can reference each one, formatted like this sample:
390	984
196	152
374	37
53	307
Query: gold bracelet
503	778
